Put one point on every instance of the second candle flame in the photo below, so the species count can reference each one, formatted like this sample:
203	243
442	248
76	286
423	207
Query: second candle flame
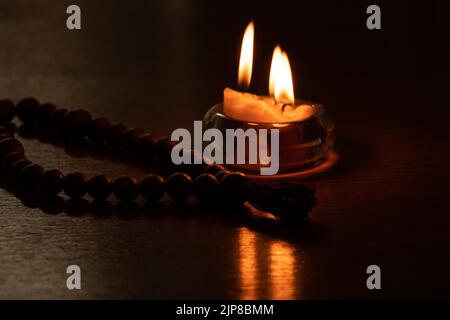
246	59
280	81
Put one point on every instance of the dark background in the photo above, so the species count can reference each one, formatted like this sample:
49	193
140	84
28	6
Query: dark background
159	65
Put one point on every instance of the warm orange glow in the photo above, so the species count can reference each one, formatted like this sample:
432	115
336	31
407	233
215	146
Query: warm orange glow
273	261
246	60
282	270
280	81
248	266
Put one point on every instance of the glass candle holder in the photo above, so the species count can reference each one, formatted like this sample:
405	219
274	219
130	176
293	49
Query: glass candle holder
302	144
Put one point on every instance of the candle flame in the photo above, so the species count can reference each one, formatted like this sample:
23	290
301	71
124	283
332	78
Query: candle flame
246	60
274	69
280	80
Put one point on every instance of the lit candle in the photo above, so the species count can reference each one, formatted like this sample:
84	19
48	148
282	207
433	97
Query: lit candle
280	106
303	131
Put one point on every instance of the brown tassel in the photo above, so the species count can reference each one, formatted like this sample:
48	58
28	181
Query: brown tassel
290	200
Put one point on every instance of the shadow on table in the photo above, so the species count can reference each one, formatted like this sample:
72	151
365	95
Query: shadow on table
352	154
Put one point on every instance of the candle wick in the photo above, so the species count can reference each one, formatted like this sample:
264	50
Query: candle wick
242	87
285	105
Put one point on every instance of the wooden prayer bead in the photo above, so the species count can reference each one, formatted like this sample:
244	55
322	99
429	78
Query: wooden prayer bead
7	111
179	186
75	185
51	182
100	187
125	188
206	187
26	109
152	187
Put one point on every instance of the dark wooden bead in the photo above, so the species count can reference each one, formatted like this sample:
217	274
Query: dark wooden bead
179	186
57	118
148	147
43	114
100	187
26	109
130	141
7	111
75	185
97	131
76	123
113	135
214	168
219	175
51	182
16	169
206	187
5	135
30	177
126	188
10	159
152	187
8	145
233	188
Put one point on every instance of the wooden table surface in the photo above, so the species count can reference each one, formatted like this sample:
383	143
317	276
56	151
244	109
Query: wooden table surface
159	66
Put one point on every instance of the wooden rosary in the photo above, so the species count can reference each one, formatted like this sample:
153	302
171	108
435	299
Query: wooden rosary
211	184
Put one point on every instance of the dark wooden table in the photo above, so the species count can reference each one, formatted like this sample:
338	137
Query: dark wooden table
159	66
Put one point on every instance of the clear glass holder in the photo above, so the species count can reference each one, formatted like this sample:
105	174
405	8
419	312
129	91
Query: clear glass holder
302	145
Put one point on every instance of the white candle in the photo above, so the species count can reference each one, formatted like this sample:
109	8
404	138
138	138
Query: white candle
261	109
278	108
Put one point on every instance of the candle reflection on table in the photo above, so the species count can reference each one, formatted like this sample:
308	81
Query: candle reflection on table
267	267
282	270
248	267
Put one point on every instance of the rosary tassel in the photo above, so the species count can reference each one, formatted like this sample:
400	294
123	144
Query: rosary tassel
289	201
